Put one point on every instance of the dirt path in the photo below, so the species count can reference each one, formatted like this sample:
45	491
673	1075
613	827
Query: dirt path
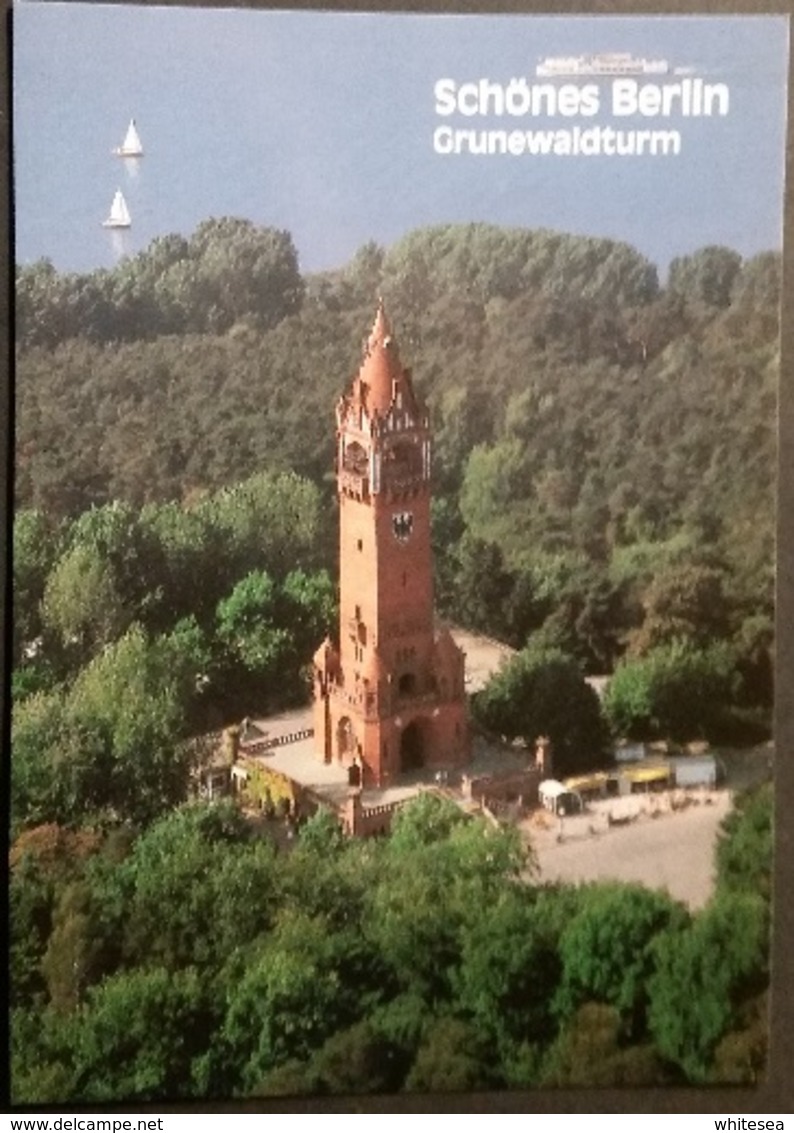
673	851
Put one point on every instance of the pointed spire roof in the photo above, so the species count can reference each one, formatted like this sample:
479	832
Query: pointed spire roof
381	328
381	367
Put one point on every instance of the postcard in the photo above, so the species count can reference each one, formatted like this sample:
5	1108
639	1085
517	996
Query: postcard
394	552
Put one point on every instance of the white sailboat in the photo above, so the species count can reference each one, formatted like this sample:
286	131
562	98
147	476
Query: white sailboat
131	146
119	215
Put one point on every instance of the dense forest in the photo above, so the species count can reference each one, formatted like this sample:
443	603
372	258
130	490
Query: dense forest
604	446
603	501
194	960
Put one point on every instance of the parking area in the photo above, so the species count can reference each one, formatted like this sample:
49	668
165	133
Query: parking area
663	841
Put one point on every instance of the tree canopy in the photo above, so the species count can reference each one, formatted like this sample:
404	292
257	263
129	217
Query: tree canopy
603	501
542	692
193	958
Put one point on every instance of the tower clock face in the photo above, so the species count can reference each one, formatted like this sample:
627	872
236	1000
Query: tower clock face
402	524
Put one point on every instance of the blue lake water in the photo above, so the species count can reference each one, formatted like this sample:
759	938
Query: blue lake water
322	123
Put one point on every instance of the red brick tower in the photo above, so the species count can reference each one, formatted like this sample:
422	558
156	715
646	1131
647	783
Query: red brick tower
390	698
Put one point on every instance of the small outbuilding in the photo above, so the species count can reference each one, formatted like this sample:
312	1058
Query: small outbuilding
695	771
558	798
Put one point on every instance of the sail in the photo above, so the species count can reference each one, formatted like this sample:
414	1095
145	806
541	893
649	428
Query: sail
119	216
131	146
119	210
132	141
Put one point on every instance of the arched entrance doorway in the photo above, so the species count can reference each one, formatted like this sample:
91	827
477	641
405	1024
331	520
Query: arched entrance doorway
412	753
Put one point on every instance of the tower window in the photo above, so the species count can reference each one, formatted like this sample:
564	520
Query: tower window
407	684
360	544
405	578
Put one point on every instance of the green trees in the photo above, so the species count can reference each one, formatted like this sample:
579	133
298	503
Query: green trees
591	1051
37	721
439	864
451	1057
136	628
491	498
510	968
541	692
267	634
706	276
290	1000
701	975
82	586
108	575
78	953
684	602
198	960
265	522
707	1002
490	262
228	270
245	624
745	846
242	271
82	604
201	854
128	699
140	1036
676	691
109	744
604	460
35	548
51	307
267	962
607	950
604	450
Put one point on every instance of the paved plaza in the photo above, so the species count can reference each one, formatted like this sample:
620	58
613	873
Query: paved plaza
299	761
656	846
298	758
